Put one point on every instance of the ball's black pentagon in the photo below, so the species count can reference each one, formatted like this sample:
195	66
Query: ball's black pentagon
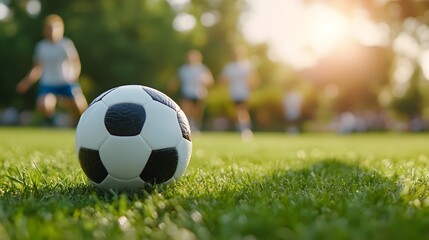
125	119
101	96
160	166
92	165
184	125
162	98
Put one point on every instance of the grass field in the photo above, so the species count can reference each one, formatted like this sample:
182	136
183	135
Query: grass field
314	186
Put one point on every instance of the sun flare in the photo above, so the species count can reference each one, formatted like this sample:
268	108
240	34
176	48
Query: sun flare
298	34
324	28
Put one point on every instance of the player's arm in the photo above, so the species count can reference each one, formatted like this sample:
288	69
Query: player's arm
208	78
77	67
33	76
73	59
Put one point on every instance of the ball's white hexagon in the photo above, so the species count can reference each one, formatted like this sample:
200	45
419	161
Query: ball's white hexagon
111	182
124	157
90	131
184	151
161	128
127	94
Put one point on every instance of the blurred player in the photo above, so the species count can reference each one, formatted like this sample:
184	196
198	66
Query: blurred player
240	76
57	65
194	79
292	101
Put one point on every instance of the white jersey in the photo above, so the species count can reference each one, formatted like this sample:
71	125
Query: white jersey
192	79
54	57
237	75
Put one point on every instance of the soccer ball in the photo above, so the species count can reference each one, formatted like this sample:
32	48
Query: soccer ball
131	137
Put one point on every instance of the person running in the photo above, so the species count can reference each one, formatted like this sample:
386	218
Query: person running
57	65
292	102
194	78
240	76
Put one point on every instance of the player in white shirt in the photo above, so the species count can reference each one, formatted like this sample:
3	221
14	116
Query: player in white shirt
292	104
57	65
194	78
240	76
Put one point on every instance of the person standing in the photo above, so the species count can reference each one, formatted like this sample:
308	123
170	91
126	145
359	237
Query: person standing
292	102
240	76
194	78
57	66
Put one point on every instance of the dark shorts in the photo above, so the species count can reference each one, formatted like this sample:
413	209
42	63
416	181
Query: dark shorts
66	90
240	101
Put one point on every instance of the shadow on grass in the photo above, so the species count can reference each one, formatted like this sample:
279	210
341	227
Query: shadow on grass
65	212
77	195
329	200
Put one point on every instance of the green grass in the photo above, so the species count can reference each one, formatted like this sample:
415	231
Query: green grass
314	186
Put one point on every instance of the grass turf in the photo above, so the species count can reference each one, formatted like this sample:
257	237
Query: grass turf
314	186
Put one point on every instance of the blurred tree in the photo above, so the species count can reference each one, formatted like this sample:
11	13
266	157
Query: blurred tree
17	40
119	42
396	66
144	42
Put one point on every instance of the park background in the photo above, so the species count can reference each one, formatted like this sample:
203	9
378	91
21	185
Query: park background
361	65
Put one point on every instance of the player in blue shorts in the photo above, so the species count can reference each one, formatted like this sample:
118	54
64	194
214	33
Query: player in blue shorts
57	65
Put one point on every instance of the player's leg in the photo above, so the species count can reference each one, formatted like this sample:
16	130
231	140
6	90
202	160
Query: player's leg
243	116
243	120
189	109
74	100
77	105
46	104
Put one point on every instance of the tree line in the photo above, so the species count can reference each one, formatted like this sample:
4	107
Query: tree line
135	42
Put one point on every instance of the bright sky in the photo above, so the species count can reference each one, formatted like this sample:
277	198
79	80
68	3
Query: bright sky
299	34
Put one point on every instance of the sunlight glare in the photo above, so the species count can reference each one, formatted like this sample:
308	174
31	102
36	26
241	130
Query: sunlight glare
325	28
370	33
4	11
184	22
297	34
209	19
33	7
406	45
424	63
178	5
403	71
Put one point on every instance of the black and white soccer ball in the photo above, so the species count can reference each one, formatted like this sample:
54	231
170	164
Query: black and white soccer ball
131	137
